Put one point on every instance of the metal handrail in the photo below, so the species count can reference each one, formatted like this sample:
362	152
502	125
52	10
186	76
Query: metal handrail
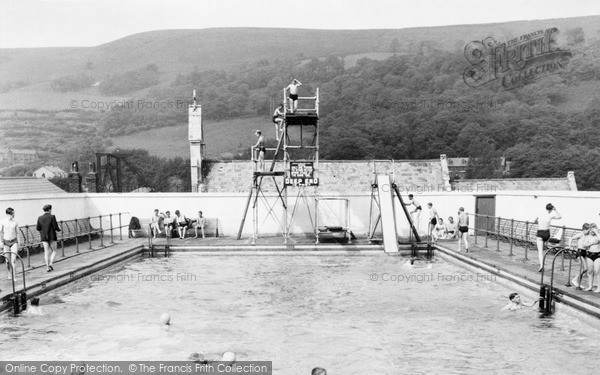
13	274
76	235
523	241
548	296
514	222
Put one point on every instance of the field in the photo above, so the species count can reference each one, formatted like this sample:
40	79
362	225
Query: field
222	139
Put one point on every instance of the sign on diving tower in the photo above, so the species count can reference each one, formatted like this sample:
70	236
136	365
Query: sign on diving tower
195	137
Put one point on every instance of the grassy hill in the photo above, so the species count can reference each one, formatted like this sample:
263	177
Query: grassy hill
367	79
181	51
221	138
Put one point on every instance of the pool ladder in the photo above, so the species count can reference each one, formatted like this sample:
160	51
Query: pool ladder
18	299
547	292
152	247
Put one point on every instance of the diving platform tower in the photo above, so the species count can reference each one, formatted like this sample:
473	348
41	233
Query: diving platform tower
196	139
293	166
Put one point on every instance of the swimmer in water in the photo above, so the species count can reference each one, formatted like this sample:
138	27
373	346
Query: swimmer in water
34	308
165	321
318	371
516	304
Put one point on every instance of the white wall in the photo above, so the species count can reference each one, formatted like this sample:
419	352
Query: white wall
229	208
28	208
575	207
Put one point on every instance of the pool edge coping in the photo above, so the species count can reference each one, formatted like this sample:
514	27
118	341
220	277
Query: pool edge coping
567	298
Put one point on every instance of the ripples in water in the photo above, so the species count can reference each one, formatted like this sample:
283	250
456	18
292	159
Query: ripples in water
301	312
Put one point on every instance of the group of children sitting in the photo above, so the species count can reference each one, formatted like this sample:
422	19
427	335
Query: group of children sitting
176	226
445	230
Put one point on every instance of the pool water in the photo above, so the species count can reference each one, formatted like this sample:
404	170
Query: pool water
301	312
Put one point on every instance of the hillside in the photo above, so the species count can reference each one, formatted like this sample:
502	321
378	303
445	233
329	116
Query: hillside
176	52
381	96
222	138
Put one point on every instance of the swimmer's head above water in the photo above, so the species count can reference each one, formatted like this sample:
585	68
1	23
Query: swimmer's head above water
165	319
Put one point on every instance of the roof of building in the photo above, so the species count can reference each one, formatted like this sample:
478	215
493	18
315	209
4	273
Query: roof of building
17	151
51	168
28	185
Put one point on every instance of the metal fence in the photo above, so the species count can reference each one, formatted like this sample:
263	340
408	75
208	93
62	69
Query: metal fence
101	228
516	233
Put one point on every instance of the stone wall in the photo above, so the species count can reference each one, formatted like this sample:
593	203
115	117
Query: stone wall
334	176
491	186
342	176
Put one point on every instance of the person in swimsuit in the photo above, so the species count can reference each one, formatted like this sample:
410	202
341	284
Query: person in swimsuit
543	234
278	120
433	218
34	308
581	239
416	213
516	304
463	229
593	259
451	229
439	230
293	89
154	226
182	224
200	223
260	147
170	224
9	232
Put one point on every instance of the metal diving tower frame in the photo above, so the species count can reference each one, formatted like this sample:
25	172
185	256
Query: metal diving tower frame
294	168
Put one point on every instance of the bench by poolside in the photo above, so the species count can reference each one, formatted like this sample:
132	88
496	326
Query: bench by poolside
212	228
70	231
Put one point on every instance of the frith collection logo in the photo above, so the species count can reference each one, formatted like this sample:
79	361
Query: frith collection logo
516	62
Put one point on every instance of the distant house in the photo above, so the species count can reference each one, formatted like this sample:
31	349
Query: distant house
17	156
457	167
49	171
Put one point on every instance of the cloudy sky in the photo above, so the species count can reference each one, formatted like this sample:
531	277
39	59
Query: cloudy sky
53	23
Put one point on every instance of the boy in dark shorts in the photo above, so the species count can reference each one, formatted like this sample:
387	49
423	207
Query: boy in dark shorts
433	218
463	229
543	234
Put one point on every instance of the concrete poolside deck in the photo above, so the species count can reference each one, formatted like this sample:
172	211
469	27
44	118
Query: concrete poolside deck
496	259
75	265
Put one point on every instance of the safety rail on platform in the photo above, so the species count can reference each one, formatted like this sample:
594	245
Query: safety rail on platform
73	232
254	157
519	233
315	109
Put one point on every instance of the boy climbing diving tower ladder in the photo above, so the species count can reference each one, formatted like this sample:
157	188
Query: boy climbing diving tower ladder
293	168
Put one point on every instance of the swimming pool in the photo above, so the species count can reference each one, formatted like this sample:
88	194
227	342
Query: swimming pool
301	312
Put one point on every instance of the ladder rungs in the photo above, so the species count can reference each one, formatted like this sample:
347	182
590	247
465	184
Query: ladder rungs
311	147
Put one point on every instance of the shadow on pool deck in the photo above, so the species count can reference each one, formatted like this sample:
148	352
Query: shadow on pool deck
75	265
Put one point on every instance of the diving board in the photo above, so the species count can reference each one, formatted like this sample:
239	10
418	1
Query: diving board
388	214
